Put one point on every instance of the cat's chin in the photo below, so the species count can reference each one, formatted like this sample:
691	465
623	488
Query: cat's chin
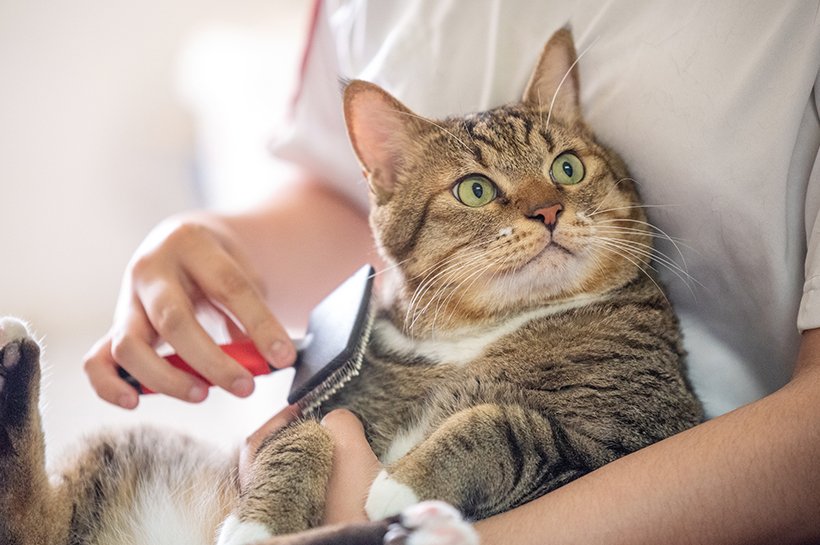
554	274
551	257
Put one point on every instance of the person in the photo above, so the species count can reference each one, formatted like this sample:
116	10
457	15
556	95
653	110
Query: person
714	107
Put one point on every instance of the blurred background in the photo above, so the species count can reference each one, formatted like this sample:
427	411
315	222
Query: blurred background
114	115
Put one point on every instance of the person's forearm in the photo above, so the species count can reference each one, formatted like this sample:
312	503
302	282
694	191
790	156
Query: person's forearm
303	241
751	476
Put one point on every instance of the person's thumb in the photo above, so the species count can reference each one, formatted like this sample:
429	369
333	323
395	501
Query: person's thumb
354	468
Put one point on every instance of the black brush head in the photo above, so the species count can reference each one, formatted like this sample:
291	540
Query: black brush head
335	335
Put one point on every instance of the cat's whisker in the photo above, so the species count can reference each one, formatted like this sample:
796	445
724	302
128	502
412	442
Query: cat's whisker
431	122
643	232
454	279
656	228
390	267
441	268
605	246
436	270
627	231
476	246
566	75
640	253
463	289
477	275
456	276
658	256
608	193
448	274
595	256
630	207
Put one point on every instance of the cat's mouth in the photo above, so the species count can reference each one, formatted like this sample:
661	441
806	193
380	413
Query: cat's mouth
554	246
550	248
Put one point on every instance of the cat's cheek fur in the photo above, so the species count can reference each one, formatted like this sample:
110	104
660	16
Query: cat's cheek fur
235	532
388	497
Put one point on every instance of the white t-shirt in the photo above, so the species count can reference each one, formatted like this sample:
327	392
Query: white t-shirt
711	104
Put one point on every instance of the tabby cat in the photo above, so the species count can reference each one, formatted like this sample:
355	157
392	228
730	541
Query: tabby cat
519	343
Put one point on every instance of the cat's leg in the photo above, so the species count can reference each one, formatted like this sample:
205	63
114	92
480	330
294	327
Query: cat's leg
483	460
27	512
285	491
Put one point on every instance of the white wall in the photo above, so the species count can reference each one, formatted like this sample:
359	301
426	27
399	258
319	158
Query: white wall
97	145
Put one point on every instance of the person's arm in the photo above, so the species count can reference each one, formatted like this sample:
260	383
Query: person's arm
306	240
750	476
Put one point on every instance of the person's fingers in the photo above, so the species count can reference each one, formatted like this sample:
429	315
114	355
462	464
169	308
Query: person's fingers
354	468
171	315
235	333
101	369
228	285
248	452
132	349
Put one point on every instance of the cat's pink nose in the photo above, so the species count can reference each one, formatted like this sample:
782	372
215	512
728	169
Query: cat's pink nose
548	215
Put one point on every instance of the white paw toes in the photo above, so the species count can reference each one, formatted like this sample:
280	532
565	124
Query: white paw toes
11	329
431	523
429	513
388	497
236	532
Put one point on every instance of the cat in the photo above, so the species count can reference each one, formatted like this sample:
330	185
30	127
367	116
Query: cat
520	342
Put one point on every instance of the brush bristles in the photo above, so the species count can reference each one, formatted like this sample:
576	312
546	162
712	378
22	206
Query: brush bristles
313	400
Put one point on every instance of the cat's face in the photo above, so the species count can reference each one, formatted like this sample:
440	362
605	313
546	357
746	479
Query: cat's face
498	211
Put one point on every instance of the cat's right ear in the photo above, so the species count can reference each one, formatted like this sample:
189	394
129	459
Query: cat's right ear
378	127
553	85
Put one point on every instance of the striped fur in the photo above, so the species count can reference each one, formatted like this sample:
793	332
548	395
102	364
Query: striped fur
501	368
508	358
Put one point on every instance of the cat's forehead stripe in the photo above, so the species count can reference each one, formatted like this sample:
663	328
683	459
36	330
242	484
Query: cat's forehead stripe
525	121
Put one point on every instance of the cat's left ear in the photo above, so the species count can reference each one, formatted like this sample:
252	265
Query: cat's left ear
379	128
553	85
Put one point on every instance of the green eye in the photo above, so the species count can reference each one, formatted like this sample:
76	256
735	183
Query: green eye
567	169
475	191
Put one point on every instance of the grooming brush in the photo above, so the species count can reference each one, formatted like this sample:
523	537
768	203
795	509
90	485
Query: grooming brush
330	354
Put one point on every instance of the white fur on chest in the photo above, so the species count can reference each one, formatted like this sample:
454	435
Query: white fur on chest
459	349
465	345
405	441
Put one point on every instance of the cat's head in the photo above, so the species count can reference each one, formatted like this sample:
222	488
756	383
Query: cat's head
497	211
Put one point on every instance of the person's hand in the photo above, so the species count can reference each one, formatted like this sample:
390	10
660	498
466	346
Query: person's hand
180	268
355	466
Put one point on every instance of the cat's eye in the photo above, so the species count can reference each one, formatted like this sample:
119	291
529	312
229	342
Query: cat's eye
475	191
567	169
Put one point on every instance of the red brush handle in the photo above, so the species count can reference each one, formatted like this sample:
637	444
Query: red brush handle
244	352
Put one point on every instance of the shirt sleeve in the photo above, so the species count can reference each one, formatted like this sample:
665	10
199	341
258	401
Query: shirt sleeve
809	314
315	137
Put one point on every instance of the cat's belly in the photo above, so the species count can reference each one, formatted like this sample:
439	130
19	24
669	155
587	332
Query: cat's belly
166	512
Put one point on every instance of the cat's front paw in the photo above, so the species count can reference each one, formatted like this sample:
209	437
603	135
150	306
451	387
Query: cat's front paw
18	365
237	532
11	331
388	497
431	523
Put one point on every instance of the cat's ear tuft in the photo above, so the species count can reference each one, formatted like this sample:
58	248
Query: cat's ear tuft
553	85
378	126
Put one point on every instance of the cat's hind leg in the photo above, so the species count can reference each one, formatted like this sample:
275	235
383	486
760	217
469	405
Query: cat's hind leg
27	514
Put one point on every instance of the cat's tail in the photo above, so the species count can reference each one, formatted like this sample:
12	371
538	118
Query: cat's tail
29	511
